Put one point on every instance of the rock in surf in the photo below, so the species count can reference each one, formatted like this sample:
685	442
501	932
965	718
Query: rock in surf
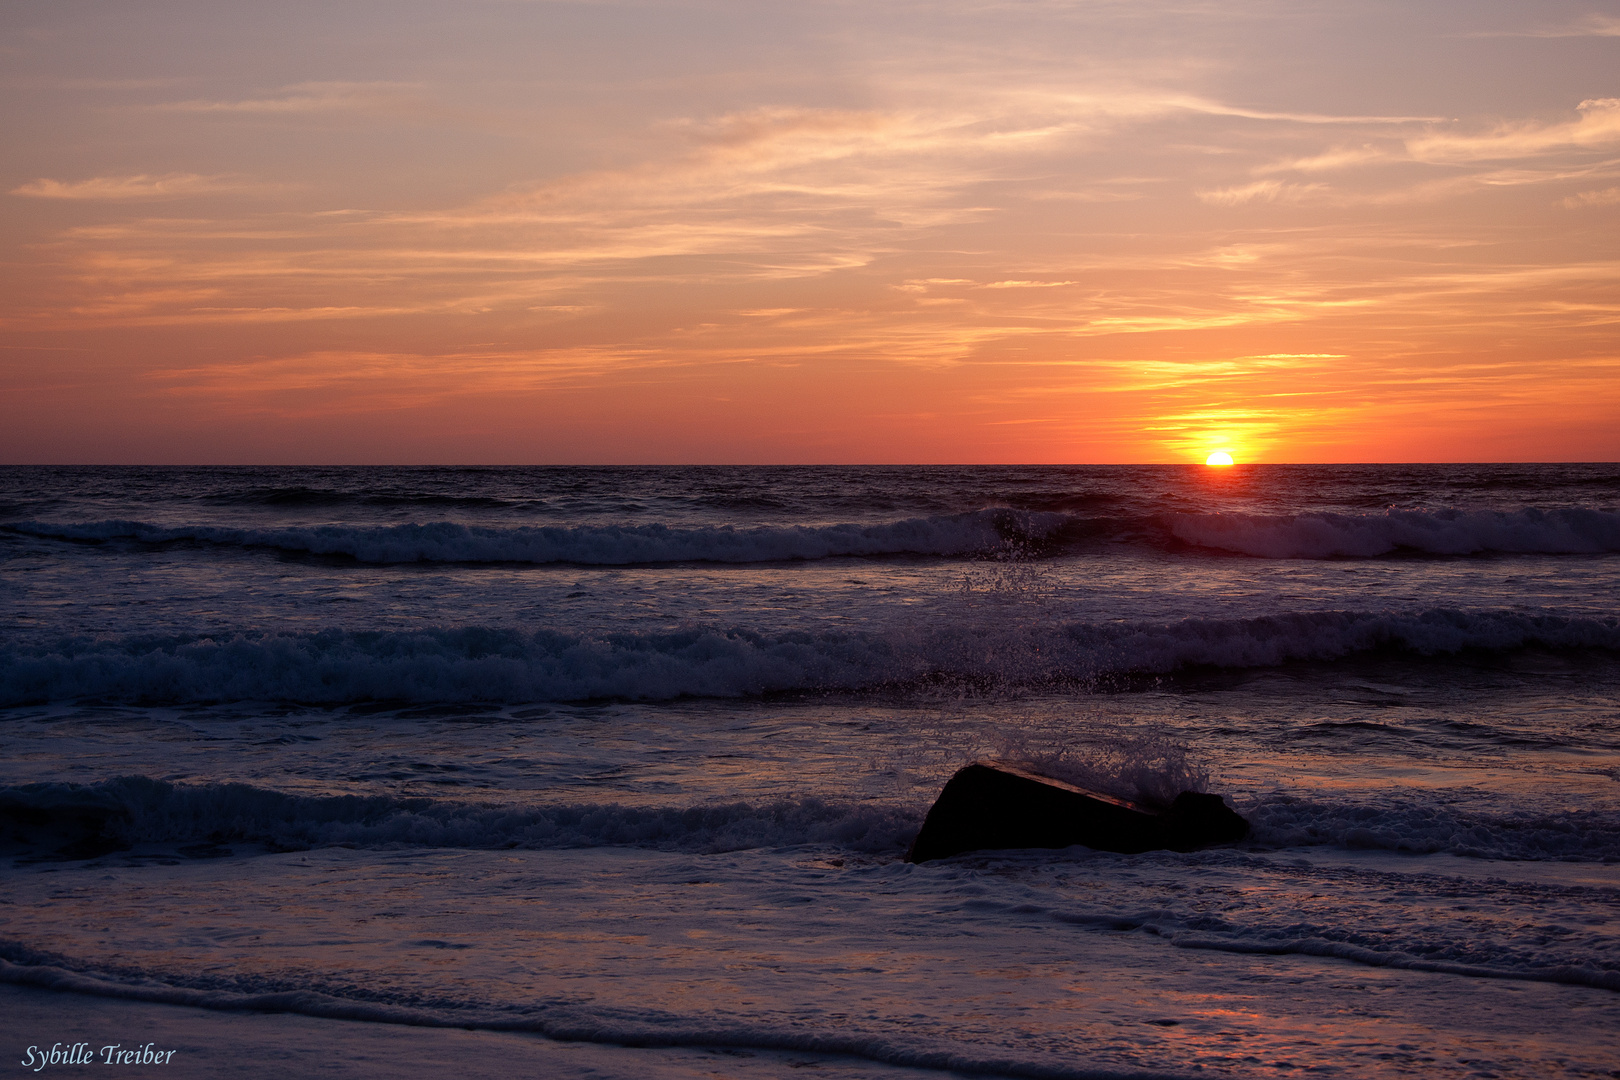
997	804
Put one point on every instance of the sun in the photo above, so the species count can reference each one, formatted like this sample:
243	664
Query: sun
1219	458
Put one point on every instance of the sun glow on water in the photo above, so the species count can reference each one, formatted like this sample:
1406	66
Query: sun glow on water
1219	458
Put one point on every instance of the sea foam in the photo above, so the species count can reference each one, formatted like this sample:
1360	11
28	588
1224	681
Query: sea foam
587	545
507	664
995	532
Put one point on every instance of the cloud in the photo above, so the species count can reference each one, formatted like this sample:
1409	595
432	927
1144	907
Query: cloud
130	188
1212	108
1606	197
1594	25
1271	191
1341	157
1598	125
117	85
312	97
1512	154
786	192
760	197
856	181
337	382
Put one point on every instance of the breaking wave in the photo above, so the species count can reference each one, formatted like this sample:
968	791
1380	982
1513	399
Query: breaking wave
589	545
1321	536
1417	827
85	820
513	665
997	532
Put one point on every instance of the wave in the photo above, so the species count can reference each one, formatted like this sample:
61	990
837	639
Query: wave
1572	531
87	820
1419	828
282	497
82	821
1302	945
991	533
1500	952
506	664
590	545
21	965
1504	947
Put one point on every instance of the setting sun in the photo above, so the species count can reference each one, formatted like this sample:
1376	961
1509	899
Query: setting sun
1219	457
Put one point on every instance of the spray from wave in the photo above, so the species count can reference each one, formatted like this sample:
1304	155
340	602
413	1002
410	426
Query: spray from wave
1148	766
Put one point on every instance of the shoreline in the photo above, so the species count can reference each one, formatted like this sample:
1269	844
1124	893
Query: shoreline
231	1043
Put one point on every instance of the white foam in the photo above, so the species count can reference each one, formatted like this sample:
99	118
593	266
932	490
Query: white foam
999	531
512	665
592	545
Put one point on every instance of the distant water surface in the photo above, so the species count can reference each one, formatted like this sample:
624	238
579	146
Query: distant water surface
632	754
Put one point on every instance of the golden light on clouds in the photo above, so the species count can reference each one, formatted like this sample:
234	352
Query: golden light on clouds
549	232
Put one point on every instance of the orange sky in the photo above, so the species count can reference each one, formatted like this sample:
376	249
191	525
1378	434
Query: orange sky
525	231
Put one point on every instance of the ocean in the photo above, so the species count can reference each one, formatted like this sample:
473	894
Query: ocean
615	769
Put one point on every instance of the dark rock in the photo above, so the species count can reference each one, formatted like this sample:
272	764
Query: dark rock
996	804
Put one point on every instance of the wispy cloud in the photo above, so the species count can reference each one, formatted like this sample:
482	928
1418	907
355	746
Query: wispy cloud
1336	159
1593	25
1118	201
788	191
139	187
1271	191
1598	125
116	85
1598	26
1605	197
1214	108
881	208
311	97
1389	169
350	382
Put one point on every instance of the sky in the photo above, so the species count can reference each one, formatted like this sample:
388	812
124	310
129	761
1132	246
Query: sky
706	231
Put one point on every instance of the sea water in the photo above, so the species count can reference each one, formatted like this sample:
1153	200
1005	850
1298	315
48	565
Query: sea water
632	756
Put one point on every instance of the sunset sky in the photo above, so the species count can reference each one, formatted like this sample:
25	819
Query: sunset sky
523	231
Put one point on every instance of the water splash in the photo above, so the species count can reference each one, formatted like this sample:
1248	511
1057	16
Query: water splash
1145	765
